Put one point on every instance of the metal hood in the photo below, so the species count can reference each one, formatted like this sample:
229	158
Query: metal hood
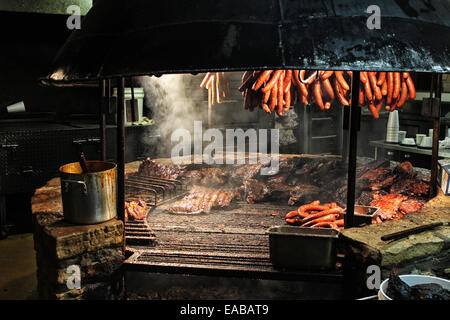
141	37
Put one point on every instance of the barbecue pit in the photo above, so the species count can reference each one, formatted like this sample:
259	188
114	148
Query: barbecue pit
112	64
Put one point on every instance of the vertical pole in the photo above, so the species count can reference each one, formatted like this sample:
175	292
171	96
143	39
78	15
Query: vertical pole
120	149
436	112
355	117
102	119
351	123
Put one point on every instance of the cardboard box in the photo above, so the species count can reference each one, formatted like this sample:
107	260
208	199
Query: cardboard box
443	175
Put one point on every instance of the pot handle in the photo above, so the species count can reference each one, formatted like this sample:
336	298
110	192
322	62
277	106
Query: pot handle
66	183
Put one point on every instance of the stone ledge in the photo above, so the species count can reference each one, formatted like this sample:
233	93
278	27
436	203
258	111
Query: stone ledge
413	247
98	249
67	240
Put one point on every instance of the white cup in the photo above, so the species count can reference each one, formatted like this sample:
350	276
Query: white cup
419	138
430	132
427	142
16	107
401	136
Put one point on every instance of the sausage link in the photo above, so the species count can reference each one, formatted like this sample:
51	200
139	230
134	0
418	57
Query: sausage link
373	81
373	110
411	88
287	80
381	78
390	77
322	214
273	97
328	224
340	77
368	91
280	93
318	95
363	76
262	78
273	81
287	98
328	88
302	87
384	89
328	217
403	95
397	85
326	75
339	93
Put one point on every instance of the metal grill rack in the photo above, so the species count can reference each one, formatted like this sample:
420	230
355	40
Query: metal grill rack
154	191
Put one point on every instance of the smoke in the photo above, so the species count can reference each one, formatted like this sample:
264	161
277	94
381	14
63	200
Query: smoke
170	105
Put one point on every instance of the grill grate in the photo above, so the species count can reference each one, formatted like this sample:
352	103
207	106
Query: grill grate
154	191
139	233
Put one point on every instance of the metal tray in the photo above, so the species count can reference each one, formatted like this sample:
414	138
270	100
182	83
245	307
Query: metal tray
363	214
294	247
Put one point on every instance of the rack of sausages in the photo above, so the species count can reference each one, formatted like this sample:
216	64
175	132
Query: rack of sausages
219	84
315	215
277	89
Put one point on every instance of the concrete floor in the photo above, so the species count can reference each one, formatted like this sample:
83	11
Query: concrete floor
18	268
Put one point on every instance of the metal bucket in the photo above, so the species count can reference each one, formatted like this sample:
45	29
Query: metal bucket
89	198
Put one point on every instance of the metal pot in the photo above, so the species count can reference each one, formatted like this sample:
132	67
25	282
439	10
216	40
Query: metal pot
89	198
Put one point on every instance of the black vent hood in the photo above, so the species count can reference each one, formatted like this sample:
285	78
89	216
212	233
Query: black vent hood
121	38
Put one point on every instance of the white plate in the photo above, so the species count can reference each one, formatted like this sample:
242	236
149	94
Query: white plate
412	280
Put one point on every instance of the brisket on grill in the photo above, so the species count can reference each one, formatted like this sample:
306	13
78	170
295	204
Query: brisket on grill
256	191
213	177
245	172
411	187
367	197
202	200
306	193
150	167
376	179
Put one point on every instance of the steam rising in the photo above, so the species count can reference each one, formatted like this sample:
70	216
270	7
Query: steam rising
171	106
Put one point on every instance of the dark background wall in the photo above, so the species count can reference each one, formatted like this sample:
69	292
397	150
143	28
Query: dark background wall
28	44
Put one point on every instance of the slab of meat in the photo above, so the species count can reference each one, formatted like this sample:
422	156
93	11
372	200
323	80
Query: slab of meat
389	206
150	167
279	191
411	205
280	178
213	177
202	200
306	193
411	187
406	170
193	176
135	210
256	191
367	197
376	179
245	172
